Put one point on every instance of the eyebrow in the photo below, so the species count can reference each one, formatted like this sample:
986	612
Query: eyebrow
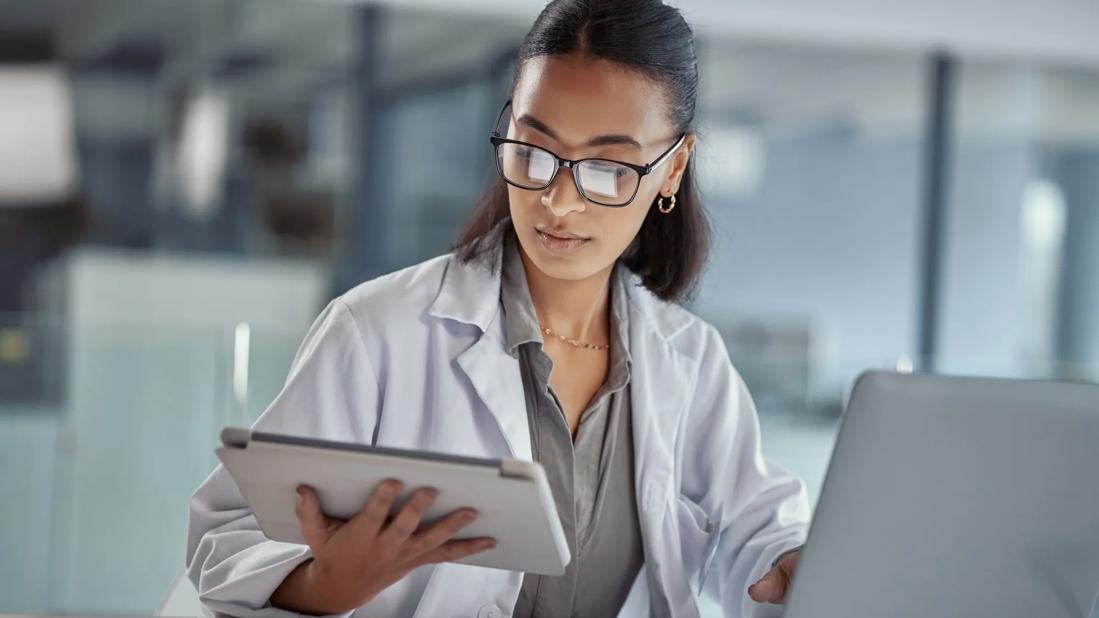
600	140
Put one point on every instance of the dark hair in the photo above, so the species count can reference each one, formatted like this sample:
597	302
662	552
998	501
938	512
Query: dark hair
653	39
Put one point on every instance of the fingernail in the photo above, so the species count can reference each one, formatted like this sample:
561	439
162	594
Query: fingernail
468	516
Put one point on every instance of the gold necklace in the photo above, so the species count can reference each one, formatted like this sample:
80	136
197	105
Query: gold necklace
574	342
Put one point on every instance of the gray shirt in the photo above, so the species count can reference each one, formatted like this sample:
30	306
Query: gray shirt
591	479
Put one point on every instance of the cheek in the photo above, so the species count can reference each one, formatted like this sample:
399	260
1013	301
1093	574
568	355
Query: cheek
521	203
623	223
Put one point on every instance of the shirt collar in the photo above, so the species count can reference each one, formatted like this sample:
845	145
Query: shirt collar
521	320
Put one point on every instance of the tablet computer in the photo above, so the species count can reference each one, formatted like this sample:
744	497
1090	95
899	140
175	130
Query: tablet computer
512	497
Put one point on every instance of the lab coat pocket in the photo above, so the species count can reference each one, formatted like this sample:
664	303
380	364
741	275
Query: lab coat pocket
698	536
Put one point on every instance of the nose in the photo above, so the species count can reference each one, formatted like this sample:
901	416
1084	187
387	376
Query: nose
562	196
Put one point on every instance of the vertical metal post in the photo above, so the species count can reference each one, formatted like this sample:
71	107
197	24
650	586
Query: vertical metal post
943	69
365	242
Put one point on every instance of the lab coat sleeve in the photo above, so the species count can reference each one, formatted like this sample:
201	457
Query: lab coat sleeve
760	510
332	392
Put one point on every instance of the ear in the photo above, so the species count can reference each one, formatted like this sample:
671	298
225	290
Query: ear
678	165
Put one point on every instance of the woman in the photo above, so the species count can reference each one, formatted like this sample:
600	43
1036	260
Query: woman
552	333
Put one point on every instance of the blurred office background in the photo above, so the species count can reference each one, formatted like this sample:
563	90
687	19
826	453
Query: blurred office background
185	183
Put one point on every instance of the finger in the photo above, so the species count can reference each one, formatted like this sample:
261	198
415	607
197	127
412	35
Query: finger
408	519
456	550
787	566
759	591
316	528
442	531
779	585
770	589
789	562
372	517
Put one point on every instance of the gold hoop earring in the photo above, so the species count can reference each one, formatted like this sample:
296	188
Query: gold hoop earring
660	205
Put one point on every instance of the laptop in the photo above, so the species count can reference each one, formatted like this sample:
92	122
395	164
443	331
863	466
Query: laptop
957	496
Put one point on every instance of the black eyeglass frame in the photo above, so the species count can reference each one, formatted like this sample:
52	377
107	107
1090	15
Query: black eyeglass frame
642	170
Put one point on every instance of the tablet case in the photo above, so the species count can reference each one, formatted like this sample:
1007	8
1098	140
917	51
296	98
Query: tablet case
512	497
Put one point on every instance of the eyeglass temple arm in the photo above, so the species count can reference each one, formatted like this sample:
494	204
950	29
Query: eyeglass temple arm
496	127
664	157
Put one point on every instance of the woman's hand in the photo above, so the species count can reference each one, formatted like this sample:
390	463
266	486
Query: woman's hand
355	560
773	586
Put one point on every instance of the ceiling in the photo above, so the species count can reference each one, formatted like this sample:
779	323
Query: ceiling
1051	30
862	64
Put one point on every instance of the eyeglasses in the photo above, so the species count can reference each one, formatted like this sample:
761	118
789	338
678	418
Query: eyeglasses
601	181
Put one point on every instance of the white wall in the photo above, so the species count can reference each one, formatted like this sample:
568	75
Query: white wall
149	368
832	234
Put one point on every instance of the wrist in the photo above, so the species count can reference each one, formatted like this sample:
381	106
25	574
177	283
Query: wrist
304	591
319	582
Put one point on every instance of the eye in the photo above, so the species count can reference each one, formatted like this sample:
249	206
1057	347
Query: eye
609	167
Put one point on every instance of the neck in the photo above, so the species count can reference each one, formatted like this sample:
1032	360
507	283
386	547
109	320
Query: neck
578	309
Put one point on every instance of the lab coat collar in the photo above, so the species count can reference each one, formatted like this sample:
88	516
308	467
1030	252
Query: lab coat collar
660	374
470	293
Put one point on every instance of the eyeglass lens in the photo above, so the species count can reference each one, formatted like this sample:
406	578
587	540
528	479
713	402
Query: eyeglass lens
602	181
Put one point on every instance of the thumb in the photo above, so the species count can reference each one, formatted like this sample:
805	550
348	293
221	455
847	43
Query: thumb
315	527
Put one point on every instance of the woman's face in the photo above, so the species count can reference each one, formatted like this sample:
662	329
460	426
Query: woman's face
578	108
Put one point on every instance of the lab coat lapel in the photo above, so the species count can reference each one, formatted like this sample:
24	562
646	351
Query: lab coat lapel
470	293
495	376
660	383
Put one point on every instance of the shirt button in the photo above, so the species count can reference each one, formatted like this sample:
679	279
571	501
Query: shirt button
489	611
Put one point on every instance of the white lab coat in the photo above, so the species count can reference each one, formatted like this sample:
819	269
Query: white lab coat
416	359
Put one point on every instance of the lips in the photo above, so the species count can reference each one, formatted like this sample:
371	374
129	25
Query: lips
560	234
566	243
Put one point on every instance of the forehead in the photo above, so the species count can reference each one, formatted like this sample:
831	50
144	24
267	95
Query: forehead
581	97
